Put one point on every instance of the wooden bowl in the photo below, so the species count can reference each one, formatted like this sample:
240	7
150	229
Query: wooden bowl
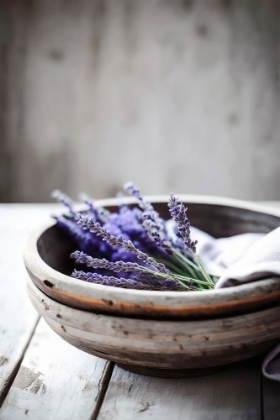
47	261
161	347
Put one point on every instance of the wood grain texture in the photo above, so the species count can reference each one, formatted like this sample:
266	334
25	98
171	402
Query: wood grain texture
90	90
161	344
230	395
17	317
55	381
48	264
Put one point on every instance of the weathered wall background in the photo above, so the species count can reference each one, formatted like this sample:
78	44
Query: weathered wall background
176	95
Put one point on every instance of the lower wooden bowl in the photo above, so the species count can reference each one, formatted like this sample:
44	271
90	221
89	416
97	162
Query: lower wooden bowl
161	346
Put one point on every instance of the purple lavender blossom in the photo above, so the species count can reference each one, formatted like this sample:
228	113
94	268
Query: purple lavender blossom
135	269
99	214
151	220
157	237
122	282
149	212
178	213
85	241
143	203
116	242
163	283
153	232
64	199
110	280
119	241
118	266
125	223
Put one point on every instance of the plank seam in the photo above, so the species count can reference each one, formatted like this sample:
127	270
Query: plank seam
11	378
104	387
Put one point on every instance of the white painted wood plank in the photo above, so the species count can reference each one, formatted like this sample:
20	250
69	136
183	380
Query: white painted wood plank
55	381
231	395
17	316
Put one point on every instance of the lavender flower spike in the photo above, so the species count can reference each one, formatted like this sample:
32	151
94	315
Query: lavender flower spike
156	235
118	266
114	281
178	213
149	212
64	199
154	225
119	241
99	213
133	190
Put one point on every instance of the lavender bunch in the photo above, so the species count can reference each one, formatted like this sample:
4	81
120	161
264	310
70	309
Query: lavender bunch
135	244
119	241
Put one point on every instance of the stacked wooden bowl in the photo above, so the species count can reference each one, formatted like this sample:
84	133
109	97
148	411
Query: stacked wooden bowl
160	333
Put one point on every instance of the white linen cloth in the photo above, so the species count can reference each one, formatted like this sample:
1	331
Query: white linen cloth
241	259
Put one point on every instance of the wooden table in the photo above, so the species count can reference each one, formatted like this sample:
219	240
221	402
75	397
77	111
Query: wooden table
42	377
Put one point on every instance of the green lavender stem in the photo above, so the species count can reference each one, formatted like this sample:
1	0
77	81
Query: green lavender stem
195	270
183	278
204	272
185	259
189	270
172	266
175	277
199	265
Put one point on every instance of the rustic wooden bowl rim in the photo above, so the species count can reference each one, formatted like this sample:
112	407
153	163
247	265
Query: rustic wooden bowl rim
40	269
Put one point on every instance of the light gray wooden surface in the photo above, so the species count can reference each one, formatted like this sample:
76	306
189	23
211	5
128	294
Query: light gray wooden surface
230	395
17	316
44	377
91	90
55	381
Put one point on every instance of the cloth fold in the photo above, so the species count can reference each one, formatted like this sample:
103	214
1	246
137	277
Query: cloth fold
242	259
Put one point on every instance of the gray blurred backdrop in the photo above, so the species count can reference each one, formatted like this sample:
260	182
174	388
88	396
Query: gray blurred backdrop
176	95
